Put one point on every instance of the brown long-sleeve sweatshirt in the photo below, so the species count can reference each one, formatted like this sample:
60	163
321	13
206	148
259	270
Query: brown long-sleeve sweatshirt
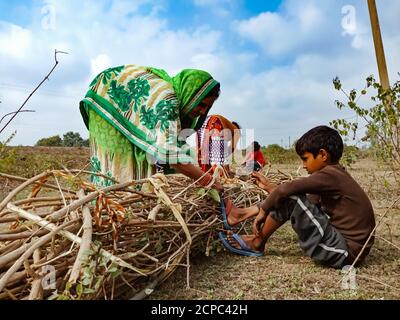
341	198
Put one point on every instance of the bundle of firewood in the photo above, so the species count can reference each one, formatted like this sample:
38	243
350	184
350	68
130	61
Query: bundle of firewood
63	238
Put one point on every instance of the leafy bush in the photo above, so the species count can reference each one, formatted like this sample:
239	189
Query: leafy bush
74	139
54	141
70	139
275	154
350	155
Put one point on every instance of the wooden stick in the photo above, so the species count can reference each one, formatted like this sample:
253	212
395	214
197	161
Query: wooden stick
86	241
175	210
10	247
5	259
91	196
378	43
36	291
50	226
146	291
28	253
20	235
13	193
47	185
153	213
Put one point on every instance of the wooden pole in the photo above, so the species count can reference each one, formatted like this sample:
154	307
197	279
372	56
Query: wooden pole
379	51
382	68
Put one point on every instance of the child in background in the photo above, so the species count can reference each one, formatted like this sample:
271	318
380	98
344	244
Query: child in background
255	160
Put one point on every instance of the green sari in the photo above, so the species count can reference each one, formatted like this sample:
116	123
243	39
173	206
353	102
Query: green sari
134	116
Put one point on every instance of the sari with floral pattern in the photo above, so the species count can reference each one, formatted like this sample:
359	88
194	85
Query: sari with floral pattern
134	116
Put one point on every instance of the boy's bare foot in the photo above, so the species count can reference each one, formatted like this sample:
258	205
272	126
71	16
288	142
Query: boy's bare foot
252	241
236	215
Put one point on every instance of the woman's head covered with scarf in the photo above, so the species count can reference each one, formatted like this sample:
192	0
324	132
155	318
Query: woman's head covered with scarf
196	91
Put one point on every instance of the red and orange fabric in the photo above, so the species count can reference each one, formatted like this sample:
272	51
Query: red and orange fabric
212	142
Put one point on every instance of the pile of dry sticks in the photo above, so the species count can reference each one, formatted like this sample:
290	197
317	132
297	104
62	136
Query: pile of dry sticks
62	238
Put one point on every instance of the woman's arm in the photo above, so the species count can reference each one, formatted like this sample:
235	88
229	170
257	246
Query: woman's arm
195	173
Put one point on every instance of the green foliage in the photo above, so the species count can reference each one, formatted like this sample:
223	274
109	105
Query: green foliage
70	139
54	141
8	156
350	155
275	154
3	144
96	269
74	139
214	195
382	118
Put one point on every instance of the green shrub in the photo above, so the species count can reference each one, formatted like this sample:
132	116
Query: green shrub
275	154
54	141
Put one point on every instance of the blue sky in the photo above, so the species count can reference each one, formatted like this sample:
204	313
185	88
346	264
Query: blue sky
275	59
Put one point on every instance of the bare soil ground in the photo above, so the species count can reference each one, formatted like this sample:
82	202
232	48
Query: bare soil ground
284	272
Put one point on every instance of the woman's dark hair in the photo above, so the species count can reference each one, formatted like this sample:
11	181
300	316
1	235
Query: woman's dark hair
321	137
256	146
214	92
236	125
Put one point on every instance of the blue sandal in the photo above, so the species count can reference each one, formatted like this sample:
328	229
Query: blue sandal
244	249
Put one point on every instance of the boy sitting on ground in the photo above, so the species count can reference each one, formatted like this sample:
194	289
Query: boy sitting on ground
328	210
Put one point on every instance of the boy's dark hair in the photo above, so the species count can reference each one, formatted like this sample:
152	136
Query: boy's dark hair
236	125
256	146
321	137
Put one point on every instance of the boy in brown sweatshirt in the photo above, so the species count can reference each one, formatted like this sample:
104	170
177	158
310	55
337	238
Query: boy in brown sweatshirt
328	210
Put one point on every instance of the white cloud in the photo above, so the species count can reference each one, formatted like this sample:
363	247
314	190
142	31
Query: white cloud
15	41
100	63
308	25
95	36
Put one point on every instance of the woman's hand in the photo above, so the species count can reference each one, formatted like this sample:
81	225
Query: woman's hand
259	221
263	182
196	174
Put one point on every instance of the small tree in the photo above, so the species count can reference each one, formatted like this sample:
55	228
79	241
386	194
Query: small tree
73	139
54	141
382	119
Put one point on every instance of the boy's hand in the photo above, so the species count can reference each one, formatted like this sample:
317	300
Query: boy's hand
259	221
263	182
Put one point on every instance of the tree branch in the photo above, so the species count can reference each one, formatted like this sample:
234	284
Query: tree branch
30	95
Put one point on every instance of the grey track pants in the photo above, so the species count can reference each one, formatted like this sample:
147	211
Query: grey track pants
317	237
